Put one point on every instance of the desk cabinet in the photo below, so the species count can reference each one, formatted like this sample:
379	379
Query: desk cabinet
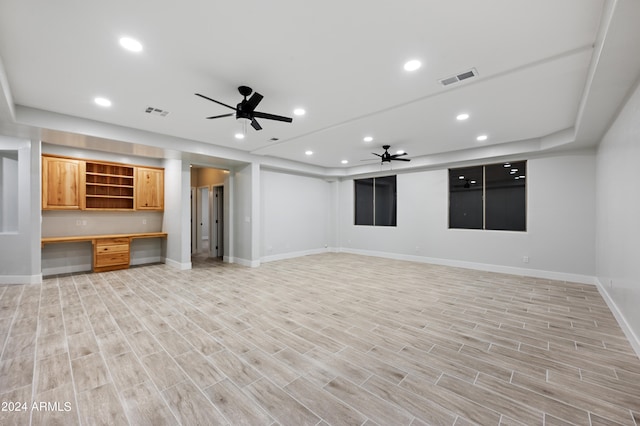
110	254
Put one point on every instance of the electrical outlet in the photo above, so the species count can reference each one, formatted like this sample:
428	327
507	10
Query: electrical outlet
144	221
525	259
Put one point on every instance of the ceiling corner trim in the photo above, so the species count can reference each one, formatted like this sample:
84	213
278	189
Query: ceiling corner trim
6	100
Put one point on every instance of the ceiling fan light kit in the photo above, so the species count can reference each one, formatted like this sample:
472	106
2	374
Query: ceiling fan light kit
246	109
385	157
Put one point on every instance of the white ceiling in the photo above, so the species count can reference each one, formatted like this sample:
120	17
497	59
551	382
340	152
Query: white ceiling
342	61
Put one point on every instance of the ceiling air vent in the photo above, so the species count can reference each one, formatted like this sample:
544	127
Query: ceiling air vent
156	111
458	78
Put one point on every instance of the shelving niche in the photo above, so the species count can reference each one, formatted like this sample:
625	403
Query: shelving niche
109	186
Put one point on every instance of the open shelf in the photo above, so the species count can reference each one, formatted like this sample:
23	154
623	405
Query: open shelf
109	186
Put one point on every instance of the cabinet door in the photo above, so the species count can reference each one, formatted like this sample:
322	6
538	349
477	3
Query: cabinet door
62	184
149	189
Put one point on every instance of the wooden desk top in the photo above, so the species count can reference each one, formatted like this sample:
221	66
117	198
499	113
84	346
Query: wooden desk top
92	238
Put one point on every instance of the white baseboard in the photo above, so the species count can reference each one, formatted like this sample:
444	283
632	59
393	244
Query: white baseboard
294	254
632	337
20	279
536	273
183	266
243	262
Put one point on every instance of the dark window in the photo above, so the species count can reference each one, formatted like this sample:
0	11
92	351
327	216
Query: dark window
375	201
364	201
465	198
488	197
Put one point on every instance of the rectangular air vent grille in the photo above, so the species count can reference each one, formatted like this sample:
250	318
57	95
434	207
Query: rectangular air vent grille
156	111
459	77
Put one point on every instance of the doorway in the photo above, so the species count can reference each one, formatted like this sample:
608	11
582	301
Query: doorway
203	220
217	222
207	212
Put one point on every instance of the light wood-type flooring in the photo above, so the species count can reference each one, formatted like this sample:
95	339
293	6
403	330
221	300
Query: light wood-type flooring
328	339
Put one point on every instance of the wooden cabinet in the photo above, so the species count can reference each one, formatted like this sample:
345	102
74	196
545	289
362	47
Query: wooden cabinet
109	186
80	184
110	254
149	188
62	183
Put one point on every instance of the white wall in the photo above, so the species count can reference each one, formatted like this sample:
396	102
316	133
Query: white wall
560	236
20	250
618	218
295	214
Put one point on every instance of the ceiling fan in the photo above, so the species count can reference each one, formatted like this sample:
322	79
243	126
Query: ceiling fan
387	158
246	109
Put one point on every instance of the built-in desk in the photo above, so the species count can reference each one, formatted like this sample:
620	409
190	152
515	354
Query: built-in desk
110	251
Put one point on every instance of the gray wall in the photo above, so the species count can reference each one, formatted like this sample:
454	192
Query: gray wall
618	218
8	190
20	248
245	209
177	213
295	215
559	241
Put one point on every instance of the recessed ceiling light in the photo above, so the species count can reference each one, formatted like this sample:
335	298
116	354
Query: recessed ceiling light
412	65
482	138
367	139
308	152
299	111
460	177
507	165
399	152
104	102
131	44
462	117
239	135
345	161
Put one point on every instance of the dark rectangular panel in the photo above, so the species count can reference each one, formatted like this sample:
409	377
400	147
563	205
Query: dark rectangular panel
465	198
363	190
385	201
505	204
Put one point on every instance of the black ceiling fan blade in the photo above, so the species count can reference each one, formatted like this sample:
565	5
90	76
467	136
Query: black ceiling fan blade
255	124
401	159
253	101
379	155
213	100
398	155
220	116
272	116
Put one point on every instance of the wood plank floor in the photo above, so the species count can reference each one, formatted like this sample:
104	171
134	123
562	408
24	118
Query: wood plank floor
328	339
